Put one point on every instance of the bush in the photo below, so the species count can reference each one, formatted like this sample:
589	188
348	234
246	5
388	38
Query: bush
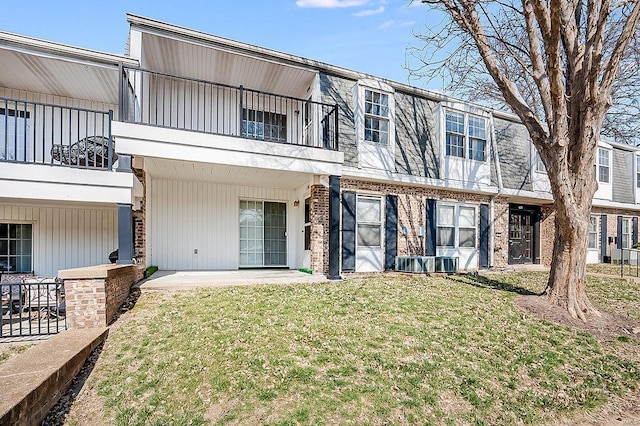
149	271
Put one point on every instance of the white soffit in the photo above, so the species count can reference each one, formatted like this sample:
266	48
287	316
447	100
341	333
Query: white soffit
212	64
229	175
24	71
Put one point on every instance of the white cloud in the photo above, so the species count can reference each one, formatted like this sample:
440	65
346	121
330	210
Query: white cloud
330	4
370	12
393	23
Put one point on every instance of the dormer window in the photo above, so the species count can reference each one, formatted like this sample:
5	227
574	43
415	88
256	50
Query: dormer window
604	169
376	117
466	135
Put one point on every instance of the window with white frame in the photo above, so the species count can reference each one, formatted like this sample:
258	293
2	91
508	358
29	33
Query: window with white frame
626	232
638	172
604	168
465	135
456	226
268	126
369	221
376	116
538	163
593	232
14	130
16	247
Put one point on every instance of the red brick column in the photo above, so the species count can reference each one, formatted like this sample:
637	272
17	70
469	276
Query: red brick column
319	229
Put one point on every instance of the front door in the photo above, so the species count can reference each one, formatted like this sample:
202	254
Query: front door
263	234
520	237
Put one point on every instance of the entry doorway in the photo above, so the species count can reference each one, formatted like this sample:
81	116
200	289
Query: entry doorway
263	234
524	234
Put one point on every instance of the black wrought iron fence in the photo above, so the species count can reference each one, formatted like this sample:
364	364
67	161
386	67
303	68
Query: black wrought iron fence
629	262
34	307
164	100
36	132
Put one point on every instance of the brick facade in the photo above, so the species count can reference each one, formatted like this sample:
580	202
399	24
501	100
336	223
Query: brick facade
140	221
319	229
94	294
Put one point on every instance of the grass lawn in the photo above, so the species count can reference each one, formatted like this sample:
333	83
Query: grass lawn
613	269
399	350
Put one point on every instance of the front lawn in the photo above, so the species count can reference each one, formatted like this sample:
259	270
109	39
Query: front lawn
401	350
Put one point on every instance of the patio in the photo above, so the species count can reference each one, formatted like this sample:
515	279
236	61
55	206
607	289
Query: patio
189	280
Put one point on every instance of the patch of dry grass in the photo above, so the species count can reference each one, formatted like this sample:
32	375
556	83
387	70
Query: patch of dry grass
439	350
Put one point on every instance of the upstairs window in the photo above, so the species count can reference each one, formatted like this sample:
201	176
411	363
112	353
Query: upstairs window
638	172
14	129
376	117
268	126
466	136
603	165
538	163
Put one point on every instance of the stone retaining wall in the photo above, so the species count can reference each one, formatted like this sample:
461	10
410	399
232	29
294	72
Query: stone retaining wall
94	294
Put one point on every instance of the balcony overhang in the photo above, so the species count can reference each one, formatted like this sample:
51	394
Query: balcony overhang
203	59
39	182
156	142
41	66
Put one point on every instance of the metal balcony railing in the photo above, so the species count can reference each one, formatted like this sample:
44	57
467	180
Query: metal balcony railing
164	100
41	133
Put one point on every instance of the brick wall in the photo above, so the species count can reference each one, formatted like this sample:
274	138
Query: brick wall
140	222
501	234
547	234
94	294
319	229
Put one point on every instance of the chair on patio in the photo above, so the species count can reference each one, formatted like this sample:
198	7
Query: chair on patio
45	296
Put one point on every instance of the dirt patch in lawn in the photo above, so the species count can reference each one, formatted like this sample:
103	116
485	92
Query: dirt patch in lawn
606	327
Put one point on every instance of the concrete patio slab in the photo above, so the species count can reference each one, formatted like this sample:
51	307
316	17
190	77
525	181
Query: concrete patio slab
189	280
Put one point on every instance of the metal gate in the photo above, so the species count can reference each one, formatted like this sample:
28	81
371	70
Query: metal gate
33	308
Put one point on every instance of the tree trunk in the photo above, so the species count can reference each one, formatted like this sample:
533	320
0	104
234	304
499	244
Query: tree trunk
566	287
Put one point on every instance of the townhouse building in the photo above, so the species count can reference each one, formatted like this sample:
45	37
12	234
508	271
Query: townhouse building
193	152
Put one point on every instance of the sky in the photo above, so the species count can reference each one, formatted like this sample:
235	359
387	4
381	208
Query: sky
370	36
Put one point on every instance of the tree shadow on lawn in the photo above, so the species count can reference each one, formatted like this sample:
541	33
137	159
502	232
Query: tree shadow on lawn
484	282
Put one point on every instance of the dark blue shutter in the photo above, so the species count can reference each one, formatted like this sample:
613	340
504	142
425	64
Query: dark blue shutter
634	238
619	232
348	231
484	236
430	225
391	232
603	237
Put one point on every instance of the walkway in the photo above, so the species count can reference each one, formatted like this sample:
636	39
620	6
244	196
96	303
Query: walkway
189	280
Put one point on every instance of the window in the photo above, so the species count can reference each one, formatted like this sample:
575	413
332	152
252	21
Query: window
376	117
456	226
15	247
539	164
603	165
626	232
14	129
368	219
638	172
593	232
465	131
268	126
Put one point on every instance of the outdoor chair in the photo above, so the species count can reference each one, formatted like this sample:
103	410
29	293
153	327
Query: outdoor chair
44	297
92	151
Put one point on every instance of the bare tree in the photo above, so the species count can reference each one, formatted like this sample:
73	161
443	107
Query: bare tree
556	64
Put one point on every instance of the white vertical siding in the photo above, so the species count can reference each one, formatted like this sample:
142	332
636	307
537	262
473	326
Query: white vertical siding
66	237
188	215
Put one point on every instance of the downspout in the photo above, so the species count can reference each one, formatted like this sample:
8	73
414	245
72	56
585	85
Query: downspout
494	147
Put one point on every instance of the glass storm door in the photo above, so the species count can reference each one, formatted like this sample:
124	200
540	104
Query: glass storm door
263	239
520	238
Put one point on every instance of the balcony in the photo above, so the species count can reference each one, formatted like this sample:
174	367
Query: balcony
171	102
47	134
